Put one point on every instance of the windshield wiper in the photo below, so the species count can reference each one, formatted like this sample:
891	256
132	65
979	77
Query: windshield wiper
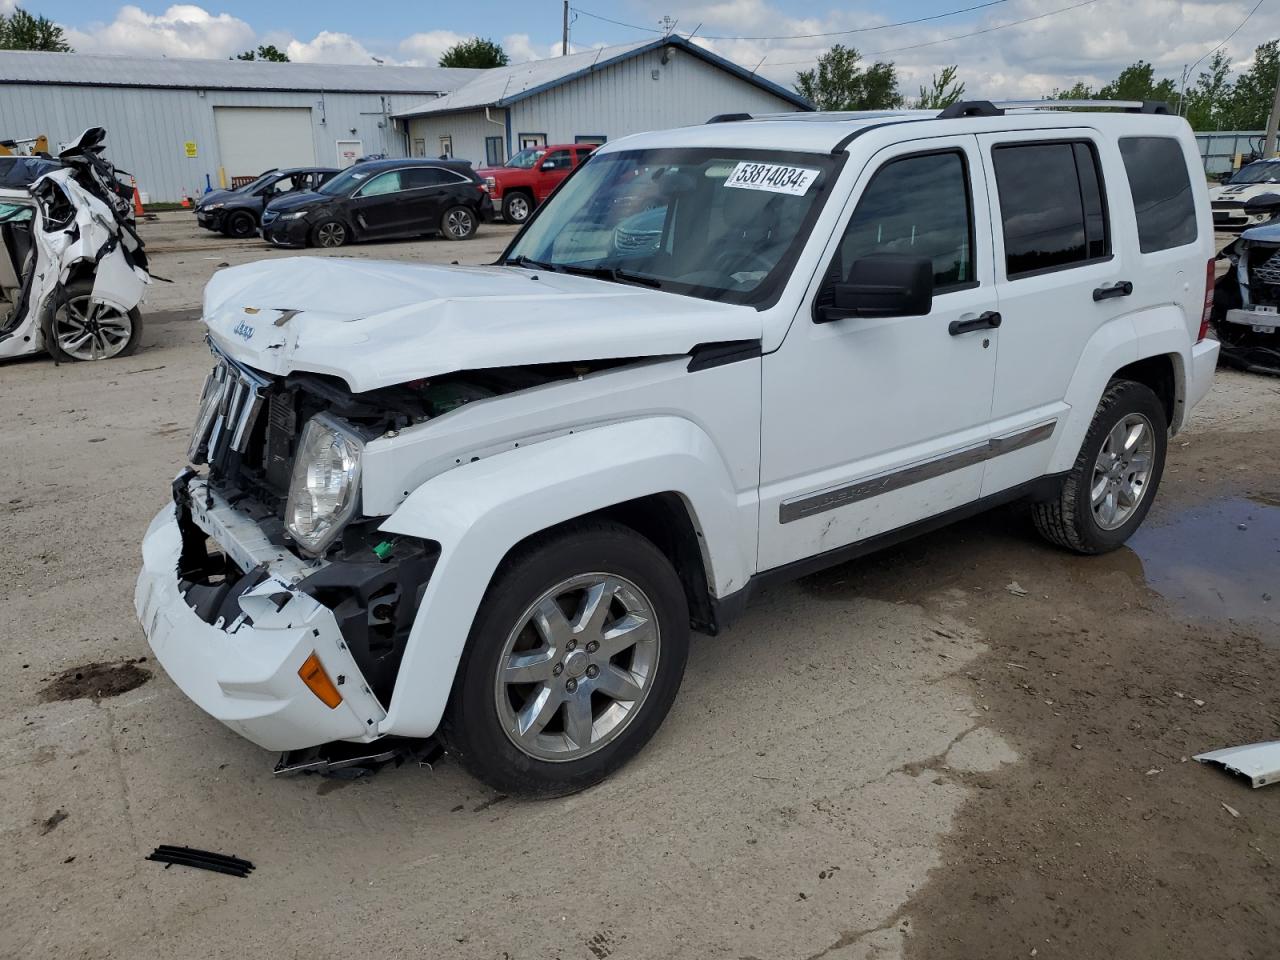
614	275
523	261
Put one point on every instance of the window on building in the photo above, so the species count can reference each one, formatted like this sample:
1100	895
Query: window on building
1157	172
916	206
1051	205
494	155
594	139
446	147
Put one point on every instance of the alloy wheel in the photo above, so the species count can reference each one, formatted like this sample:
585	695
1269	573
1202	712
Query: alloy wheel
86	330
578	666
331	234
1122	470
518	207
459	223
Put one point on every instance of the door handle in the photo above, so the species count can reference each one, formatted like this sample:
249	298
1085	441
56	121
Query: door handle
984	321
1121	288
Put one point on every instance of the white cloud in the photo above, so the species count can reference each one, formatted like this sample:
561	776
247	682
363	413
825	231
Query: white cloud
183	30
426	48
329	47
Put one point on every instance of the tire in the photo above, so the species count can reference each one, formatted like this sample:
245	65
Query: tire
110	333
330	233
555	756
240	225
459	223
516	207
1077	519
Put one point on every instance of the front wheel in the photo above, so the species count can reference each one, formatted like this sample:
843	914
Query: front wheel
516	207
573	662
241	225
1115	477
329	233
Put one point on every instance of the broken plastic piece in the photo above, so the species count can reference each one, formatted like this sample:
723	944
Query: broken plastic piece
201	860
351	761
1259	762
383	550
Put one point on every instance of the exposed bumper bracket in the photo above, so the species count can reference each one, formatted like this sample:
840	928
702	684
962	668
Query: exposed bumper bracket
346	760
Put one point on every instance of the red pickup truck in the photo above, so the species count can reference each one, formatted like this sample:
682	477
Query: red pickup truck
524	181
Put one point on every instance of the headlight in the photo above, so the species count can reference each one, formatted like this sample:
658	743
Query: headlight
293	216
214	206
325	486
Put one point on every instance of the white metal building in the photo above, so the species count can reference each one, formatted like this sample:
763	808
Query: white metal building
592	97
174	123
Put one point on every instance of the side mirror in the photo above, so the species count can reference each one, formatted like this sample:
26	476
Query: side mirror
882	285
549	165
1268	203
1225	176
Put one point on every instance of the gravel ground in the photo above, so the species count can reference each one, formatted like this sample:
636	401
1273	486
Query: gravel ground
866	765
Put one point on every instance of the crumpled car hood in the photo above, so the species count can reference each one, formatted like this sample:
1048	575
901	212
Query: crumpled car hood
1264	233
376	324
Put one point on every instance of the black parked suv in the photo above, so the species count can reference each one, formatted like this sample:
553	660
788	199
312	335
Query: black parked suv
238	212
380	199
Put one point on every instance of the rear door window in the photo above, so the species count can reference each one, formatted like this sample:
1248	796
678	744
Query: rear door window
1161	188
1052	206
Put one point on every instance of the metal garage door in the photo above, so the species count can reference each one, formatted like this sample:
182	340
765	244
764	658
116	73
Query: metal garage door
254	139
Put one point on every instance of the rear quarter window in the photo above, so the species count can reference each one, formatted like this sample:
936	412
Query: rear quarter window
1161	189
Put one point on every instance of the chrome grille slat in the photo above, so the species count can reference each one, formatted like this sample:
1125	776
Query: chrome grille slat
231	402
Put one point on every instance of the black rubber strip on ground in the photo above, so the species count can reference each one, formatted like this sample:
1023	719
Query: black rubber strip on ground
201	860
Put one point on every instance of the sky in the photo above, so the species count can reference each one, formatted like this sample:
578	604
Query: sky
1091	41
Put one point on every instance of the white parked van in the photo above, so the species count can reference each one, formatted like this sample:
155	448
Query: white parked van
489	504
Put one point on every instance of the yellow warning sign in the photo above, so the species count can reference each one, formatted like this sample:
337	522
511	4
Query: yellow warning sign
191	149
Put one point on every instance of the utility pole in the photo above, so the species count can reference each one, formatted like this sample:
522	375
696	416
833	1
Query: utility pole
564	33
1269	147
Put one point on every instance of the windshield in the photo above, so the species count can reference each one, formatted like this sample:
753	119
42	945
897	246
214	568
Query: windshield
347	181
721	224
526	158
1257	173
253	185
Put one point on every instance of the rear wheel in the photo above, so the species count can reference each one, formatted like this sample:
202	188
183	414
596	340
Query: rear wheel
81	329
1116	474
573	662
329	233
241	225
458	223
516	207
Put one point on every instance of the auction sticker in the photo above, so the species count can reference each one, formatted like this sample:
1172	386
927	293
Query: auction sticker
773	177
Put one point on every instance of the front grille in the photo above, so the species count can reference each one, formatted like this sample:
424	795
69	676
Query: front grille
1264	275
268	216
230	403
1227	204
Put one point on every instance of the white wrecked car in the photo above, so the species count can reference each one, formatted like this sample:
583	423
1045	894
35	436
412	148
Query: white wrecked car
1228	199
489	504
72	267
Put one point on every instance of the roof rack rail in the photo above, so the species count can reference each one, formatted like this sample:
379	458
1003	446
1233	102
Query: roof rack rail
729	117
997	108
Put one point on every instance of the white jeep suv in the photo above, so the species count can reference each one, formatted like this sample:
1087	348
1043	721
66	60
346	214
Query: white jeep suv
489	504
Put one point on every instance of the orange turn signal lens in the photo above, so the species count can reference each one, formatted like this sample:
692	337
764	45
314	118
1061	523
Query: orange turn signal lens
318	682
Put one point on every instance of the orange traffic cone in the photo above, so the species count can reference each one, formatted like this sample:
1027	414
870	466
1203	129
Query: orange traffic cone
186	201
137	200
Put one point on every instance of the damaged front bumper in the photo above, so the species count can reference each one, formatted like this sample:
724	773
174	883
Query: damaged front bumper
1258	319
242	668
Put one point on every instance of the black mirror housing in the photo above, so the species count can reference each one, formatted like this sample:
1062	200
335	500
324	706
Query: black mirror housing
1266	203
882	285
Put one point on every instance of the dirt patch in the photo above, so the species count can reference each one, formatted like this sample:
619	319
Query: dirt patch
95	681
1107	839
50	823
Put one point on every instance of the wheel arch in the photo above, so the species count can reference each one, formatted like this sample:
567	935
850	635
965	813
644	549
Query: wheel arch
661	476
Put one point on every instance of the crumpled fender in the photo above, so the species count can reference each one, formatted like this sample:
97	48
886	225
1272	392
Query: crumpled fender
479	511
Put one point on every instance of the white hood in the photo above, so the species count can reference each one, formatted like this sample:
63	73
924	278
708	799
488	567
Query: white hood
375	324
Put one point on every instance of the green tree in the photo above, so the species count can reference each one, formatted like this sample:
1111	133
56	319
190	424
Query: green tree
943	90
21	31
1251	97
268	52
477	53
841	82
1207	103
1078	91
1137	82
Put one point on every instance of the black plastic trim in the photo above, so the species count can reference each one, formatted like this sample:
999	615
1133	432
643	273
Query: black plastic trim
728	608
729	117
970	108
844	142
707	355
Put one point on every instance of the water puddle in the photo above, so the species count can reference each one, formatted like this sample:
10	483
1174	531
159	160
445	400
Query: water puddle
1218	560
